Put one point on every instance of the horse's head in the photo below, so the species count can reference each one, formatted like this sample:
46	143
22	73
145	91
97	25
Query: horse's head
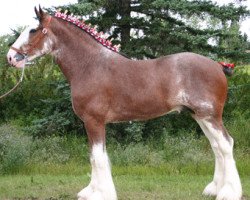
33	42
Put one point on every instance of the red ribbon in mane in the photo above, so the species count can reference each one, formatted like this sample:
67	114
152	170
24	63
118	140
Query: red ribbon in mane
87	28
227	65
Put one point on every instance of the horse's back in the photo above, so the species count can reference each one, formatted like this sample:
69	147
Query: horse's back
191	62
196	82
191	68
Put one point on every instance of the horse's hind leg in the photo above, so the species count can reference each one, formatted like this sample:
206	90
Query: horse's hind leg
217	183
226	182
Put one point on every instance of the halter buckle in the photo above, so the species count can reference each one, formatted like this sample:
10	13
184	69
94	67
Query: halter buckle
45	31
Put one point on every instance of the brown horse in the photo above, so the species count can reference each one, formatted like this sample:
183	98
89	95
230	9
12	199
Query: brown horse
107	87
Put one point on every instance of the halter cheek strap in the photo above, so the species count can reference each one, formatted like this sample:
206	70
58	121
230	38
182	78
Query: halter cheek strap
33	45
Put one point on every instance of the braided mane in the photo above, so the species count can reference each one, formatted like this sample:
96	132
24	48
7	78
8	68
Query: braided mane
98	36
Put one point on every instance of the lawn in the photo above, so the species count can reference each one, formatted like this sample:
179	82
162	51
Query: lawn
130	186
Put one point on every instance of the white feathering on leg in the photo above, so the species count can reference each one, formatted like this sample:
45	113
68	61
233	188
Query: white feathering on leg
101	186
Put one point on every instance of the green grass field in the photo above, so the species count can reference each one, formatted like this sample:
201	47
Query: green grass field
133	183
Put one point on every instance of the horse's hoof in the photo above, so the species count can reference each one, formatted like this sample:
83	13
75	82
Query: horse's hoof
227	192
92	196
210	190
85	193
91	193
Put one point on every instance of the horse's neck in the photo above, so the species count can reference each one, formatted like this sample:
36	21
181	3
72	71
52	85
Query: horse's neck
75	51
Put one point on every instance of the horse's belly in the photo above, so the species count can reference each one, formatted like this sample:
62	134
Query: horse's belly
140	110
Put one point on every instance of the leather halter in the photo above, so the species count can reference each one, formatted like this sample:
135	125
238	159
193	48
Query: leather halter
33	44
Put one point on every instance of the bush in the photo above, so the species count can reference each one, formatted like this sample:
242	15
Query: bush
49	150
239	129
59	150
14	149
186	149
135	154
25	154
238	95
18	150
57	117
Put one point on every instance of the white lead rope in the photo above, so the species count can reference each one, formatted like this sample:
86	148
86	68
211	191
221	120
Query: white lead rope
11	90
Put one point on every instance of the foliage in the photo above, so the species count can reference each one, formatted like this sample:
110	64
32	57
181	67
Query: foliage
14	150
58	116
239	94
42	102
35	87
20	152
142	26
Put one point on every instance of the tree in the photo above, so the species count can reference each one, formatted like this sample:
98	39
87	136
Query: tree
149	29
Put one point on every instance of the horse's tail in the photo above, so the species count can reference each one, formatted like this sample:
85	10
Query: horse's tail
228	68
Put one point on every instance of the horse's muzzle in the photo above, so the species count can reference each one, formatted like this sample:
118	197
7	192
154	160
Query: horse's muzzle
16	59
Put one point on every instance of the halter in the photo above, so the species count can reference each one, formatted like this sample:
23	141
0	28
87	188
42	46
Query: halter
34	44
24	54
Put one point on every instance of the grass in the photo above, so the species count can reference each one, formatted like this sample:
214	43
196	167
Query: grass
56	168
130	186
246	68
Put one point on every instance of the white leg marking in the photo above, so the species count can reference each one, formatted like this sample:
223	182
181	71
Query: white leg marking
213	188
101	186
231	186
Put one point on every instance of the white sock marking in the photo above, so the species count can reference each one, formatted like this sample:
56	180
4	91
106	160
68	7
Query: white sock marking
226	175
101	184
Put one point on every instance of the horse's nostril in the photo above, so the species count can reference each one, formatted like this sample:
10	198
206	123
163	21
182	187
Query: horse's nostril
19	57
9	58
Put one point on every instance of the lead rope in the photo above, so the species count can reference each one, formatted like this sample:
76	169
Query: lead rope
11	90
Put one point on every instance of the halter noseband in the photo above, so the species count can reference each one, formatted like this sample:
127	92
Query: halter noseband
33	45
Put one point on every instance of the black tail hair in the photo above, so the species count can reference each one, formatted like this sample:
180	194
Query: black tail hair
228	71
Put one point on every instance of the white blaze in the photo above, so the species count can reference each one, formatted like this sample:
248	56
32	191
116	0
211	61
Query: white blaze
23	38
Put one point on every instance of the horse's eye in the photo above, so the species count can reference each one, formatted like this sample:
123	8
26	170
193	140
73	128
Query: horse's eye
32	30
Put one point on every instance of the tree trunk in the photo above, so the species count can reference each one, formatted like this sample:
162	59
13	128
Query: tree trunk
125	10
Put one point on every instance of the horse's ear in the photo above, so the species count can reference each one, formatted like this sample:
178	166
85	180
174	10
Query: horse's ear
41	10
39	13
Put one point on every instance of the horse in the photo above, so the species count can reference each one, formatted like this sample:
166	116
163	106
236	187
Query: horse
107	87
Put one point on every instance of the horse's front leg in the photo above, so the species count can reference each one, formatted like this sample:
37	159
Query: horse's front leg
101	186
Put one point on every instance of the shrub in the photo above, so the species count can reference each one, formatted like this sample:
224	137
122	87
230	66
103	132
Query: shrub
239	129
58	117
14	149
59	150
186	149
18	150
49	150
238	95
135	154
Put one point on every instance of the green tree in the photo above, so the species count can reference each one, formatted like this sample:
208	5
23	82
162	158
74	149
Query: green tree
147	28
